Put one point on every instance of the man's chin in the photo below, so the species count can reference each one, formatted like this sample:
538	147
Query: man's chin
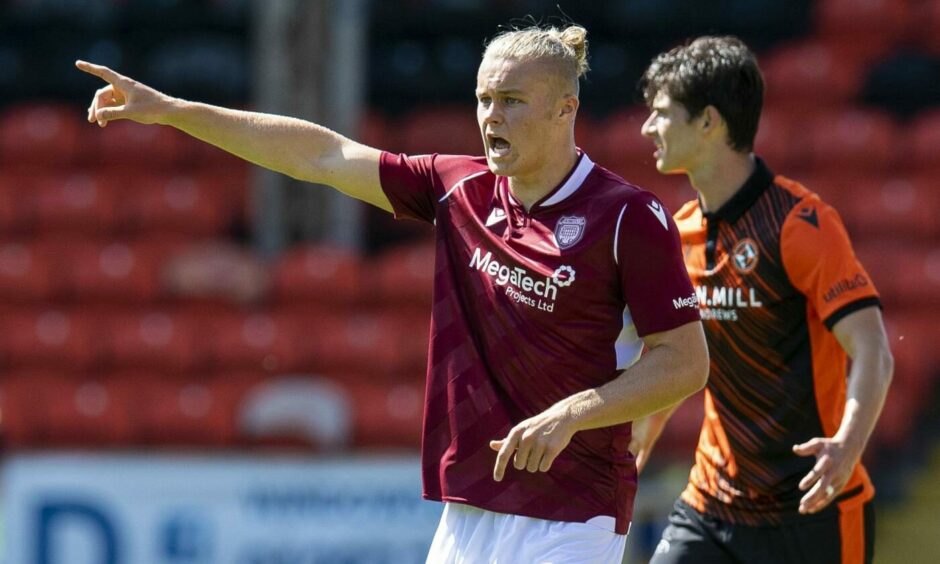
500	168
666	168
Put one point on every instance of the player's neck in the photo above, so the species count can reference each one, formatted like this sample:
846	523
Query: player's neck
530	188
721	177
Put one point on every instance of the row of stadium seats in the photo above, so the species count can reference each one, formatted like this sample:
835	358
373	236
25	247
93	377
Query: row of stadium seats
120	202
239	409
391	343
162	270
805	137
58	136
114	273
188	206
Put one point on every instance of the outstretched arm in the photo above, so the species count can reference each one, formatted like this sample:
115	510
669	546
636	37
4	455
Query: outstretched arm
862	335
675	367
297	148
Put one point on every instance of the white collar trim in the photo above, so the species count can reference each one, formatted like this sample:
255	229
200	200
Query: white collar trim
585	166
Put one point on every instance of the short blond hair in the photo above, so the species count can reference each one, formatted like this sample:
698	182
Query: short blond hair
566	48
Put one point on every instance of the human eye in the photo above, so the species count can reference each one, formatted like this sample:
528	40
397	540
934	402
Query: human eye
484	100
512	101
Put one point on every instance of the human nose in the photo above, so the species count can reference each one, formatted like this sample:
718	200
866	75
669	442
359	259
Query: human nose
647	129
490	113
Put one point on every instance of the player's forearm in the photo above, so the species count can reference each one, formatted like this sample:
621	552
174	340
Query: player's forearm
288	145
869	379
661	378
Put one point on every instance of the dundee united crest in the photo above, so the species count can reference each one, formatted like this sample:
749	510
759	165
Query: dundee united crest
569	230
745	255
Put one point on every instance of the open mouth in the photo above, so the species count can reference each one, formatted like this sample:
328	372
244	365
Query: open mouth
499	147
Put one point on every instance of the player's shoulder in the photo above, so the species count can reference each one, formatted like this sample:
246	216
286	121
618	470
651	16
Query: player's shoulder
450	169
454	168
807	209
635	206
613	189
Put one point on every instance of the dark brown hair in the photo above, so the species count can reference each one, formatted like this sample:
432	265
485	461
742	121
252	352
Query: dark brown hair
712	71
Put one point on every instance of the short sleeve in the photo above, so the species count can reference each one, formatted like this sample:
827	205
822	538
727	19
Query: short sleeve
821	264
654	280
409	183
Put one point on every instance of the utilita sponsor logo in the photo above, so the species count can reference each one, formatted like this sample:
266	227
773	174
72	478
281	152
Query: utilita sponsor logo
843	286
519	283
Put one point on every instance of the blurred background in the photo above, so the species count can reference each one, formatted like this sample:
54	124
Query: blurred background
204	362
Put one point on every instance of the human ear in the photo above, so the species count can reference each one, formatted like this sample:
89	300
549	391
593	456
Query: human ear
569	106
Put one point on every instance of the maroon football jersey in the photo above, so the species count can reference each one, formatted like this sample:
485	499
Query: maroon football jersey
531	307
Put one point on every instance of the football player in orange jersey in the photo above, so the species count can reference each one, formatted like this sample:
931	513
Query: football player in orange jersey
784	301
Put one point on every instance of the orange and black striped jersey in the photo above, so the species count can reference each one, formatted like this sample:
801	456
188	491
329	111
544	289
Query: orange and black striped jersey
773	271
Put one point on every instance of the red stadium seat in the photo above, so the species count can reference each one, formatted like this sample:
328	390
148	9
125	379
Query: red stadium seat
587	135
923	144
854	139
185	204
405	274
17	203
46	410
775	141
880	22
184	412
125	141
383	344
258	341
922	25
445	130
905	274
911	336
76	204
44	135
113	271
892	206
623	148
153	340
896	421
318	274
388	416
28	273
811	74
375	130
50	338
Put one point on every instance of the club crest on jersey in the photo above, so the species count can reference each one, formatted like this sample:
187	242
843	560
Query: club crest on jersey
569	230
745	255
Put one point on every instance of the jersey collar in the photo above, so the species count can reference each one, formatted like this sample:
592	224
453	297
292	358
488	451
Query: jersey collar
753	188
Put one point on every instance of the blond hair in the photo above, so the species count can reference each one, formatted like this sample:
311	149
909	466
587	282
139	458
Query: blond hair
566	48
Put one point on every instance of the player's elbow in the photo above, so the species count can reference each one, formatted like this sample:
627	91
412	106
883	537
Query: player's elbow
885	365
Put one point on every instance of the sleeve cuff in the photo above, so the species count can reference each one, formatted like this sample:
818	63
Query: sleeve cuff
850	308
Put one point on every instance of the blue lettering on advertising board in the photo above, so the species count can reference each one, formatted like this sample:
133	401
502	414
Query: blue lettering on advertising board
51	513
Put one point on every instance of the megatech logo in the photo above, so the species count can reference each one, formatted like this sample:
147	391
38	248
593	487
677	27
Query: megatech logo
520	283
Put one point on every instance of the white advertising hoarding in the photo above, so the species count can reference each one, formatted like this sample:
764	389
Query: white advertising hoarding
149	509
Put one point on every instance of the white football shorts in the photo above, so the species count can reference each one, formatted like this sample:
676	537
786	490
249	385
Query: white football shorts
469	535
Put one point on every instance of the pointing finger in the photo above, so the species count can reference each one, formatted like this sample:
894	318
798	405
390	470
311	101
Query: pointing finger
505	452
101	72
